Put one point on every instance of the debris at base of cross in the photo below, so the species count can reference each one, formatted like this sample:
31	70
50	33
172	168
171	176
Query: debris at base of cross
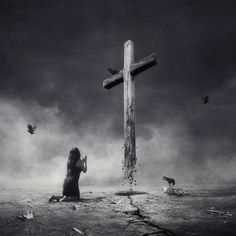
175	191
26	215
75	207
129	169
78	231
213	211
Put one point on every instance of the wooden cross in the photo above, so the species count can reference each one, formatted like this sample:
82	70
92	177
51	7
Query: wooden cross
126	75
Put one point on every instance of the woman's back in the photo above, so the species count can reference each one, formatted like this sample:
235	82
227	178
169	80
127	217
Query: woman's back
73	170
71	185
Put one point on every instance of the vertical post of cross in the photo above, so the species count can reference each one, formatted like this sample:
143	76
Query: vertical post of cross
129	111
126	76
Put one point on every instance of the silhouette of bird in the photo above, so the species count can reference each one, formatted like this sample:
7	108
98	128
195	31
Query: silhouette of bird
31	128
169	180
113	71
205	99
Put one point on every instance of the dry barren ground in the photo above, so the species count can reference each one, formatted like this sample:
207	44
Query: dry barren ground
104	213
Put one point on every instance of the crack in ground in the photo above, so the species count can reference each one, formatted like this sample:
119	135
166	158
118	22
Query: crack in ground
147	221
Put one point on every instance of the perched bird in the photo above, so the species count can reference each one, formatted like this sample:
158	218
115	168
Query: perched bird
205	99
31	128
169	180
112	71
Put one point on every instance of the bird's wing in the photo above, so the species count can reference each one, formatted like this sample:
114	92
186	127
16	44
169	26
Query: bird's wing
165	178
30	127
30	131
169	180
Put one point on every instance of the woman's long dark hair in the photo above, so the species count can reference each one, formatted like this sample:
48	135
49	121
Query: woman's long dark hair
73	158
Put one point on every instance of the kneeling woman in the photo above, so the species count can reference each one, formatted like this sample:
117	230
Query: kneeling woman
71	183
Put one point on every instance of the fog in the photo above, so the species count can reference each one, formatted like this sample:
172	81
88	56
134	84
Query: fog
41	158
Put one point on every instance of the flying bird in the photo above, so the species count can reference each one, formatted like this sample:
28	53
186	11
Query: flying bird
113	71
169	180
31	128
205	99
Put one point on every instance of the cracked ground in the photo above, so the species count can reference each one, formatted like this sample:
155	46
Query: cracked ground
104	213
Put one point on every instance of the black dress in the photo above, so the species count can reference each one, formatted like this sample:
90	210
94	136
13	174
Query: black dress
71	182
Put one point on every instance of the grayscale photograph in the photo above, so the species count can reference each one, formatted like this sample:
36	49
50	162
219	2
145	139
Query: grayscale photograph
117	117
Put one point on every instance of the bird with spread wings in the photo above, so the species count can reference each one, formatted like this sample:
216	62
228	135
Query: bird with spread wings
31	128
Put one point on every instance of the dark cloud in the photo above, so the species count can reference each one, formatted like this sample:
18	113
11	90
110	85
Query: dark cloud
55	54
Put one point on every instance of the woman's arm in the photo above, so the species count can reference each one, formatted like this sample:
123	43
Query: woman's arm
82	163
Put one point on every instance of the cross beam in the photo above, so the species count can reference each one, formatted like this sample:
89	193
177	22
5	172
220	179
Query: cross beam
126	76
135	69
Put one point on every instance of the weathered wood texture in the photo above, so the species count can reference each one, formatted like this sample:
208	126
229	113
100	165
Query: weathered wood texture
126	75
129	107
135	69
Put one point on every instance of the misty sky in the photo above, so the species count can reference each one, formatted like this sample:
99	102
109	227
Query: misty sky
54	57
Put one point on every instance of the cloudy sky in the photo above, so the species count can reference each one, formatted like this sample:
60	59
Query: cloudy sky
54	57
